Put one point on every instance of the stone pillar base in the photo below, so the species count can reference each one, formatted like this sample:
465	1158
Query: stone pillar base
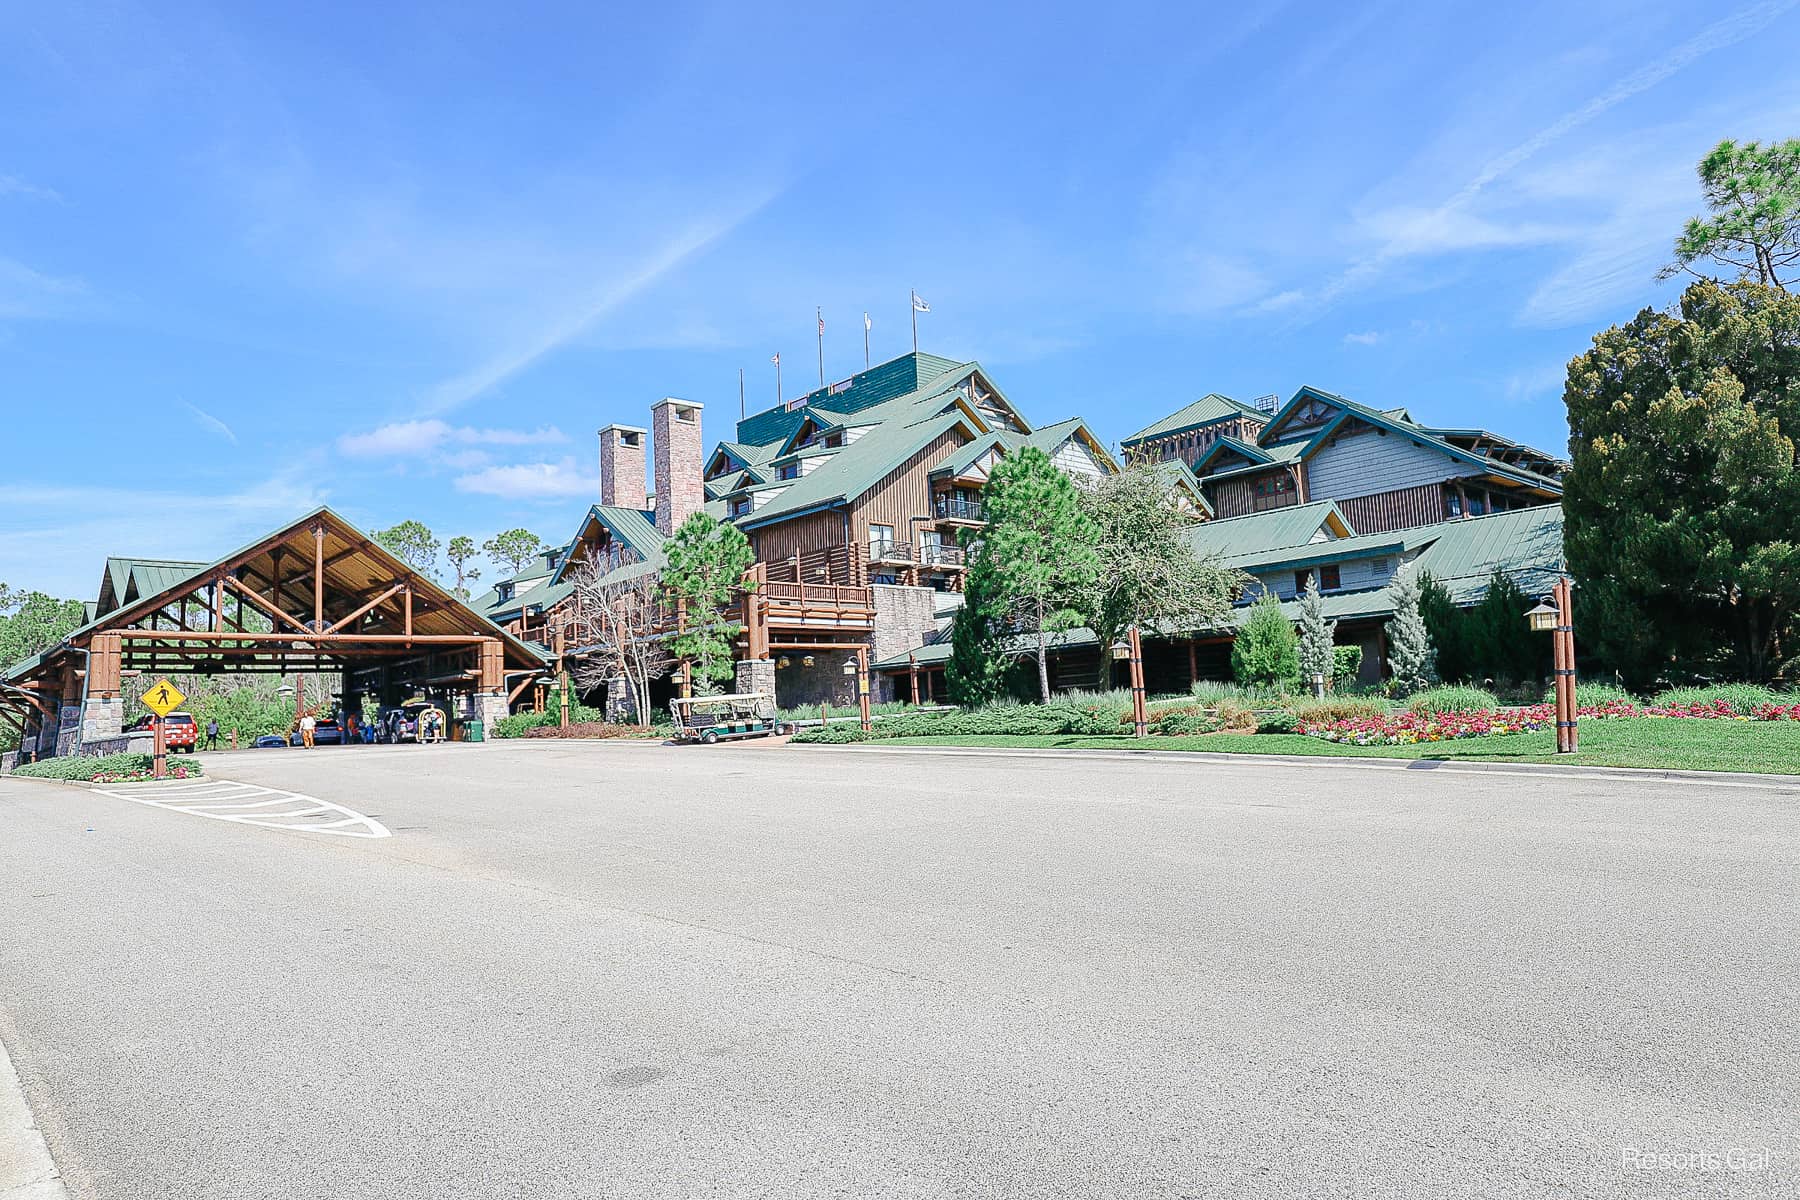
621	706
101	718
756	675
488	708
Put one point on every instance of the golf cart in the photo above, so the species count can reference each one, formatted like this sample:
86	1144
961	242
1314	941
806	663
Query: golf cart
709	719
415	720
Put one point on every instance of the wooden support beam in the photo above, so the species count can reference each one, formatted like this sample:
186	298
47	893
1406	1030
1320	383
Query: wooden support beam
318	577
244	591
375	603
307	635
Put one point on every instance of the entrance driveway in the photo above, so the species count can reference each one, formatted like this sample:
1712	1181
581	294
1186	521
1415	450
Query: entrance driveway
597	969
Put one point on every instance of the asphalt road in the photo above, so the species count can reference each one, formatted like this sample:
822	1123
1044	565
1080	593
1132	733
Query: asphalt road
600	970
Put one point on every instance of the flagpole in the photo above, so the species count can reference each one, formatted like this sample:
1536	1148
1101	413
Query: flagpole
865	341
914	305
778	381
740	393
821	315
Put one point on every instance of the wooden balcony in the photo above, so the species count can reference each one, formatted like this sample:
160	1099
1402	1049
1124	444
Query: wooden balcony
951	510
936	556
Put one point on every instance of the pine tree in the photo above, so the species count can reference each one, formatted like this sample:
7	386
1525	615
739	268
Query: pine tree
1316	635
1266	653
1411	659
707	560
977	669
1041	546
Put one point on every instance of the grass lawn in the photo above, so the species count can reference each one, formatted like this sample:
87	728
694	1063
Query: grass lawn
1683	745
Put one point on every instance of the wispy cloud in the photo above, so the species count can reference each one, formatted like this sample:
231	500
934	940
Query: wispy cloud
409	439
532	481
12	185
211	423
27	293
1371	338
591	309
1535	383
1448	226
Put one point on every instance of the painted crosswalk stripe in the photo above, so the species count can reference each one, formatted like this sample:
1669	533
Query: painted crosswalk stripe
252	804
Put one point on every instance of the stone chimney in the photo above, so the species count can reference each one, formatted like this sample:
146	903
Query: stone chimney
622	467
680	490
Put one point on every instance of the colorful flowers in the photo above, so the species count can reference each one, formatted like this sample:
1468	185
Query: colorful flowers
1408	729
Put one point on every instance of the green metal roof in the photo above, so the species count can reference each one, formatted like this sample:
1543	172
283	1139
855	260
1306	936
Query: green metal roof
857	467
1207	410
885	381
1279	529
129	579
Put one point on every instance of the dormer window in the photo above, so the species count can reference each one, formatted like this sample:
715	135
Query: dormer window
789	471
740	506
834	440
504	590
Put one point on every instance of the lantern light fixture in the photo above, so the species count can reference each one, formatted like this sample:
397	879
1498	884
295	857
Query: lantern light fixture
1543	618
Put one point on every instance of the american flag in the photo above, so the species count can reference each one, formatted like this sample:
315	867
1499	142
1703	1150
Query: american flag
821	326
776	359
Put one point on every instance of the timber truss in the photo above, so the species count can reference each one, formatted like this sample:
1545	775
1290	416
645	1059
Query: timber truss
316	595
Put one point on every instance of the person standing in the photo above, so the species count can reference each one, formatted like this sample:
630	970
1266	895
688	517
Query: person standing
307	725
212	734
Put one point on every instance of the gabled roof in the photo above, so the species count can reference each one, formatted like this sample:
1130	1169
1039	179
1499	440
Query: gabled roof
1181	477
1399	425
858	466
1051	438
1207	410
1277	529
883	382
633	528
128	579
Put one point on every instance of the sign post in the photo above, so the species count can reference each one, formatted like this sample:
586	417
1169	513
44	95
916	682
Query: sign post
162	699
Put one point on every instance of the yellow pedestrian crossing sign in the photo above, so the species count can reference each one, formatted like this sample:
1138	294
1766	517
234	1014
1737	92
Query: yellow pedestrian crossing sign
164	698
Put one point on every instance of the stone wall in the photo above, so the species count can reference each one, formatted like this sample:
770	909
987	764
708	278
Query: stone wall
905	619
622	466
801	686
755	675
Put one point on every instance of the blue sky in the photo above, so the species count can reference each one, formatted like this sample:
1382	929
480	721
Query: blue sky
406	259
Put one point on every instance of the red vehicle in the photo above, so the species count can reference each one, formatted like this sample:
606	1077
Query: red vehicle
180	732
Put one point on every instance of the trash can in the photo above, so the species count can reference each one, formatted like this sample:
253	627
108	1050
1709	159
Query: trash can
472	730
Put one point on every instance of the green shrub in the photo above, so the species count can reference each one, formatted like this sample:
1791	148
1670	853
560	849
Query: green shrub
516	724
833	735
1346	661
1266	652
1281	722
1338	708
1181	723
1742	697
1453	700
74	766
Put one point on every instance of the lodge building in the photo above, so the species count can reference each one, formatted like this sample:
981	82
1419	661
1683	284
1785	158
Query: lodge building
853	496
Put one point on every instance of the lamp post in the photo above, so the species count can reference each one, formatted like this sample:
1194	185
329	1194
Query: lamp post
1132	649
860	669
1556	616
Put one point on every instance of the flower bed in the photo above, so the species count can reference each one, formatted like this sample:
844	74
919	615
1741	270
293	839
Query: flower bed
130	767
1410	728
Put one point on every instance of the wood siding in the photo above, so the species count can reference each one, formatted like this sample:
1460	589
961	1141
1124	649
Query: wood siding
803	535
1075	458
1402	509
903	493
1369	463
1238	498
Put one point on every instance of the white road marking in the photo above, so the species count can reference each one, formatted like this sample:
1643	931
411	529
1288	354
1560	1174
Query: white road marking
247	804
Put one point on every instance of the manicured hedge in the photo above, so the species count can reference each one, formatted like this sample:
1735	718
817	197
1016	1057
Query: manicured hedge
77	767
1452	700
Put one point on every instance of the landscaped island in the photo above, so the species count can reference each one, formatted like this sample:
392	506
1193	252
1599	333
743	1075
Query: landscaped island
1714	729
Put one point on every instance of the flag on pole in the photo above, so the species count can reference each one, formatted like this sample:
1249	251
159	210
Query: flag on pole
919	304
867	324
821	324
776	359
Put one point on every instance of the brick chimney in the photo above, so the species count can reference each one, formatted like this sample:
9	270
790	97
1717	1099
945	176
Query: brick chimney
622	467
680	490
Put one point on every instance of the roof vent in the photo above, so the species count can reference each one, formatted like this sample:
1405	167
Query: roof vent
1268	403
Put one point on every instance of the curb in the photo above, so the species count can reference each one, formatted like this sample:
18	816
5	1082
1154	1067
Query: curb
1737	779
27	1172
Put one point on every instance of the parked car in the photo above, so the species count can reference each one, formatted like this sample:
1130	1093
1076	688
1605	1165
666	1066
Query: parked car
326	732
180	732
417	720
270	741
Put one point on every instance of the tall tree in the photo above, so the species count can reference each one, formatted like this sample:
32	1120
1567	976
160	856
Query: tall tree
707	560
1316	635
1148	574
413	544
9	599
976	672
1754	226
1682	503
1411	659
615	625
513	549
1040	543
38	623
460	550
1265	652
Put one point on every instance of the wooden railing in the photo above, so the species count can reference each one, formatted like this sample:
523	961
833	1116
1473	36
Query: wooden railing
949	508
